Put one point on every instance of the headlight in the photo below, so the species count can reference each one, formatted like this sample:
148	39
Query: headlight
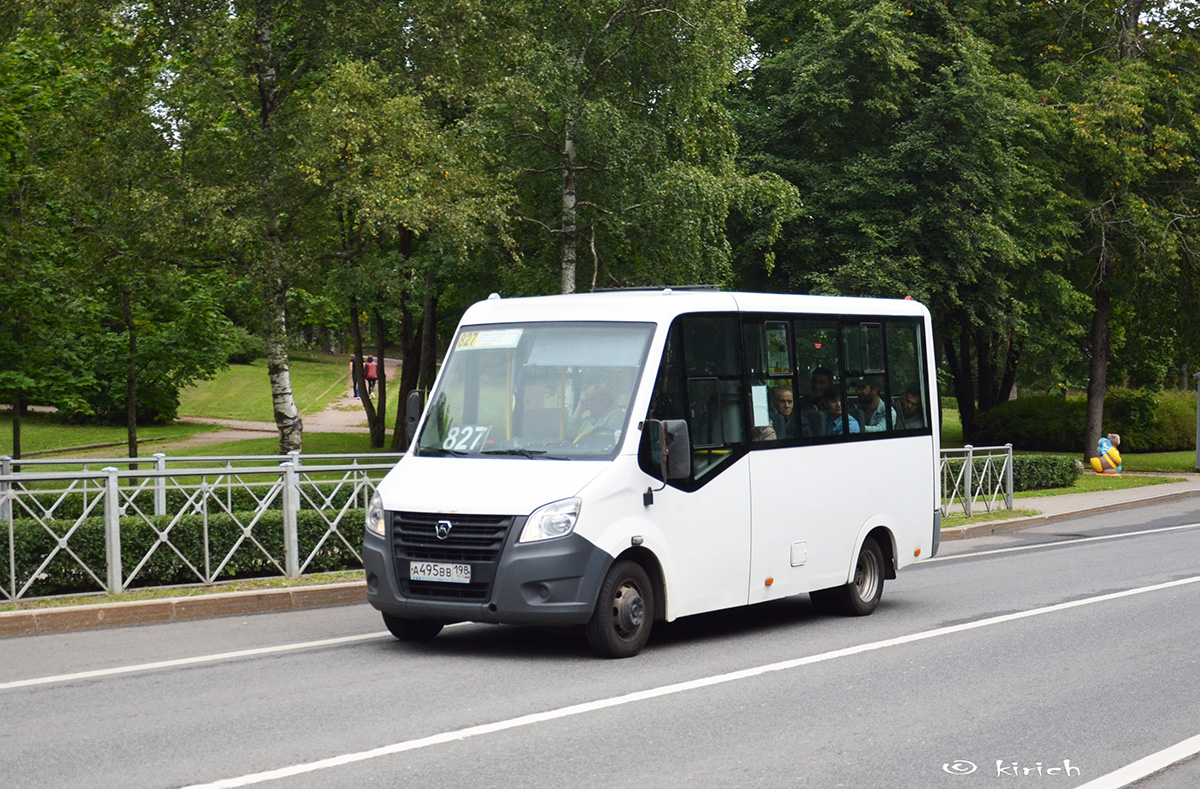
554	520
375	521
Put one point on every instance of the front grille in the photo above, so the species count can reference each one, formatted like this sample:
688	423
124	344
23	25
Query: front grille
473	539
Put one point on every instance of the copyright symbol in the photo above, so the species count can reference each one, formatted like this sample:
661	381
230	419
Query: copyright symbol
960	767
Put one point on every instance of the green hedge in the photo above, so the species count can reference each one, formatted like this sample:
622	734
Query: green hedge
1146	422
236	499
1043	472
1034	472
32	544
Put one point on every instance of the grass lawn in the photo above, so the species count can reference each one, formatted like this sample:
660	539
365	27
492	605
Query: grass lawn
41	432
1091	483
314	444
244	391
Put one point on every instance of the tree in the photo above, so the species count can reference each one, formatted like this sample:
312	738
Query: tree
156	325
39	80
621	150
918	161
1125	98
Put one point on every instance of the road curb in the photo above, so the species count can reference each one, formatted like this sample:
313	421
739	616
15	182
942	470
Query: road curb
41	621
1013	524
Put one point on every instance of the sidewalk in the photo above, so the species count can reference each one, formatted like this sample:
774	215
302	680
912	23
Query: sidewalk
177	609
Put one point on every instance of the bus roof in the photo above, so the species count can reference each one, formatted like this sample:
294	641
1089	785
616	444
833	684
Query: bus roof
661	306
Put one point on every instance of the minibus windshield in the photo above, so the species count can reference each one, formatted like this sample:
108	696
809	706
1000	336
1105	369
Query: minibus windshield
536	391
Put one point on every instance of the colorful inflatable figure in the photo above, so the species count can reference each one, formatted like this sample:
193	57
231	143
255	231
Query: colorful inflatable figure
1108	460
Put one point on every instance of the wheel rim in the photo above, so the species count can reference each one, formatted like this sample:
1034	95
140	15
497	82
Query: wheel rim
866	576
629	610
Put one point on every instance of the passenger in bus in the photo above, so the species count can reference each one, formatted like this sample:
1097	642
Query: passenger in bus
834	421
911	414
783	414
877	415
820	381
604	416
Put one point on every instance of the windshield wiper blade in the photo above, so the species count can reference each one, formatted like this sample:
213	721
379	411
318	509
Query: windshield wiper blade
525	453
436	451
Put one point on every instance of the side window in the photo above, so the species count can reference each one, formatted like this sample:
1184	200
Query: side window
869	400
773	398
700	380
906	375
818	375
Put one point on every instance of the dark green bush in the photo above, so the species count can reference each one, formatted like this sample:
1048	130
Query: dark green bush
164	567
1049	424
244	347
1146	422
1151	422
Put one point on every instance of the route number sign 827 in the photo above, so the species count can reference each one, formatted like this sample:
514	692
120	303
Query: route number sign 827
465	438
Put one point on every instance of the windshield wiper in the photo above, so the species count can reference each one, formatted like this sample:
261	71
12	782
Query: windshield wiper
525	453
441	451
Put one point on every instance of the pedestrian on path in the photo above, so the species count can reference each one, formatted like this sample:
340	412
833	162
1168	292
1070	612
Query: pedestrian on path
353	378
371	372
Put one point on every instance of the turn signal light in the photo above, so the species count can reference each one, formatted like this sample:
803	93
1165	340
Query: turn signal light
770	581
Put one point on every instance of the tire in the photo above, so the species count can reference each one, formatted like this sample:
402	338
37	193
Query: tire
412	629
861	596
624	613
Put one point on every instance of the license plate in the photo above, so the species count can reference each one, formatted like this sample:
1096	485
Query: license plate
439	571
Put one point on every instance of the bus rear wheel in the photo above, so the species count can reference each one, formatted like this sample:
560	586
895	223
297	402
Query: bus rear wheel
412	629
861	596
620	624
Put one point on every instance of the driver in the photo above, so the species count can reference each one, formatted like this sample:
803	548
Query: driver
603	414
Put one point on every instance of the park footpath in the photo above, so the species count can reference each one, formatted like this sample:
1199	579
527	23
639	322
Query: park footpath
260	601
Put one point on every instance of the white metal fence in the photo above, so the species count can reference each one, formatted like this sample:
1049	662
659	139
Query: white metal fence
78	526
975	476
71	527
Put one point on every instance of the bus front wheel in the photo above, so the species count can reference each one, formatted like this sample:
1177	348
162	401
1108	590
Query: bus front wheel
412	629
862	594
620	624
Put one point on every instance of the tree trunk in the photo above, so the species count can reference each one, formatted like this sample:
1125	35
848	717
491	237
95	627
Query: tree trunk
429	332
364	395
18	406
410	372
985	372
287	415
570	211
1098	384
378	424
131	368
959	363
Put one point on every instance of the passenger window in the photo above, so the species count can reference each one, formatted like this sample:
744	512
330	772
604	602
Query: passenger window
906	375
773	397
817	371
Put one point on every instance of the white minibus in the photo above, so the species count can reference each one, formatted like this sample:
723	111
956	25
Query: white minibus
619	458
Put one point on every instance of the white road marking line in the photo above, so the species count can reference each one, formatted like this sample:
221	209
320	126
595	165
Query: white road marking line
1060	543
191	661
1147	766
666	690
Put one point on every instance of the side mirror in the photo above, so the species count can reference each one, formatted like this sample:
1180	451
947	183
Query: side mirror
676	449
412	413
671	445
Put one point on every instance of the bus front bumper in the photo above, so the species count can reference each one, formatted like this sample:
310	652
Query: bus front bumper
552	582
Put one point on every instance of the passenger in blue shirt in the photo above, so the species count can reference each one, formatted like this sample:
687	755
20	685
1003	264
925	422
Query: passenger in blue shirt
834	420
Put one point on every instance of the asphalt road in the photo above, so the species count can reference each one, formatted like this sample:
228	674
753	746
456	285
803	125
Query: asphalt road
1050	657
